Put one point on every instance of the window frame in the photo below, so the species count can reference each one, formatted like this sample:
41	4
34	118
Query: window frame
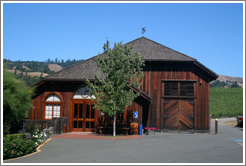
52	103
81	96
180	90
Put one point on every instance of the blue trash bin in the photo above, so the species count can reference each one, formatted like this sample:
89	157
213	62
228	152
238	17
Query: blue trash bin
23	126
140	129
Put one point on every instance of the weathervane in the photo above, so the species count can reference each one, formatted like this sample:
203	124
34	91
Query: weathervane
143	30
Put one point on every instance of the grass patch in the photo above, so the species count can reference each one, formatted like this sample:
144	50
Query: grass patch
229	123
9	135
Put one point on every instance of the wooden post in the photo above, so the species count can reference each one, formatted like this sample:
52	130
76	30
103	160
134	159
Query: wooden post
114	124
216	126
209	123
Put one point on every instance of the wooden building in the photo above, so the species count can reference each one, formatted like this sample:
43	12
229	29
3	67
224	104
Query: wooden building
174	93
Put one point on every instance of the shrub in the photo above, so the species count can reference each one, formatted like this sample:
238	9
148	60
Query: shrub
16	146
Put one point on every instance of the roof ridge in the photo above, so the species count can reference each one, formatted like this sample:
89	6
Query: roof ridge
167	47
134	40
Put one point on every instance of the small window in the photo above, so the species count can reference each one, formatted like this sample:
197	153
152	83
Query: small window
179	89
171	89
53	97
186	89
82	93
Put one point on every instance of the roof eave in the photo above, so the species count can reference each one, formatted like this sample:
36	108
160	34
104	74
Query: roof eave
167	60
213	75
142	93
38	83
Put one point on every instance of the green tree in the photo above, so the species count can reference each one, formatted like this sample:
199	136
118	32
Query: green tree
16	101
217	83
235	85
122	70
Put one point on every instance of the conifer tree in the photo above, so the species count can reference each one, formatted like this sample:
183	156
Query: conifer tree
123	70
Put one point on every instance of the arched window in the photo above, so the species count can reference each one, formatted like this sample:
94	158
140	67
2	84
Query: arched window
82	93
52	106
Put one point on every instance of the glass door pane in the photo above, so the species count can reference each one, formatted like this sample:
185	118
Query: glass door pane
92	112
75	111
87	111
80	111
75	124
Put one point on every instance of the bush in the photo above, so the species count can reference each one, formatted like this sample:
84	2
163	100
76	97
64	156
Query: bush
16	146
36	135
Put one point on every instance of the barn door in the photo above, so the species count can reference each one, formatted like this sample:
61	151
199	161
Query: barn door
178	115
171	115
186	115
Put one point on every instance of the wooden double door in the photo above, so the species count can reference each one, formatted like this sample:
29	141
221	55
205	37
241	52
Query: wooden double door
83	116
178	115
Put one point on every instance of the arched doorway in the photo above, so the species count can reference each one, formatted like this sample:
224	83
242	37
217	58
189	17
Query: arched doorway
83	115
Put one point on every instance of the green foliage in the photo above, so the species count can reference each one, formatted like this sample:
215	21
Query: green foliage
16	146
68	62
217	83
28	80
32	128
225	102
235	85
16	101
122	70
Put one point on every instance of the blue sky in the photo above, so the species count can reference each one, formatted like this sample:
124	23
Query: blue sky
212	33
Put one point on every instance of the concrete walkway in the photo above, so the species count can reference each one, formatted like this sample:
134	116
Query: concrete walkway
225	147
81	135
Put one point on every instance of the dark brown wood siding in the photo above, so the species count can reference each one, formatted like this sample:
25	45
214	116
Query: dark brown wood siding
65	89
156	72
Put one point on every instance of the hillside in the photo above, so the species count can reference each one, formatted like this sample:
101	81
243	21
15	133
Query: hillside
54	67
229	80
47	66
31	71
31	74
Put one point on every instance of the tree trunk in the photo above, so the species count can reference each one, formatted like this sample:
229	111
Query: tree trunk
114	125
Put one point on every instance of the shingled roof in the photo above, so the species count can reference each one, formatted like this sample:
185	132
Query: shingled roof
151	50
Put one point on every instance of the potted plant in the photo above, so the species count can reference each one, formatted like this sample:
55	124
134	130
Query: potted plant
150	130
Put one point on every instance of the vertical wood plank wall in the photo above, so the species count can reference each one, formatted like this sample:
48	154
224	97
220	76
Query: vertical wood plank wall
65	90
152	84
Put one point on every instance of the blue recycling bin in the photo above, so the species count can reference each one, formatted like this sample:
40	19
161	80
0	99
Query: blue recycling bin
140	129
23	126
